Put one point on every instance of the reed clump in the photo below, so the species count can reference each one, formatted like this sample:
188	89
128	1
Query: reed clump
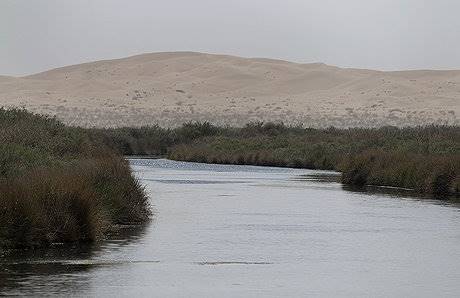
434	174
59	185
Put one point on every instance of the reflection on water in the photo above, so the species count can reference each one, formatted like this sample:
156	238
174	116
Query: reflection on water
59	270
318	177
191	181
370	190
239	231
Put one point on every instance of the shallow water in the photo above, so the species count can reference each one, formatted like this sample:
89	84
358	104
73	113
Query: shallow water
250	232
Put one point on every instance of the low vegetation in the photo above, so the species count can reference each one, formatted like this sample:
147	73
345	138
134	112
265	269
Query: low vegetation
426	159
60	184
64	184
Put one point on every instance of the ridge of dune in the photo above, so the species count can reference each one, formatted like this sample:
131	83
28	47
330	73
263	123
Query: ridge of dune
170	88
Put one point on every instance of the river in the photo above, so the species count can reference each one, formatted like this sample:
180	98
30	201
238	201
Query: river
244	231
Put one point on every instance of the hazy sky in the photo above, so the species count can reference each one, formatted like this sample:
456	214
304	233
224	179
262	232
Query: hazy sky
36	35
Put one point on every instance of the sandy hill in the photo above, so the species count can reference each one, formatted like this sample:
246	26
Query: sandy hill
170	88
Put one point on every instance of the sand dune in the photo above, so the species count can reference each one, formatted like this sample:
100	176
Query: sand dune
170	88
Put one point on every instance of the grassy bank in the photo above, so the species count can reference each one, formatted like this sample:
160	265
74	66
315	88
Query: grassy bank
426	159
60	184
63	184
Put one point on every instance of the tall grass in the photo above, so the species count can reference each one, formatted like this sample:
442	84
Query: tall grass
58	184
435	174
425	159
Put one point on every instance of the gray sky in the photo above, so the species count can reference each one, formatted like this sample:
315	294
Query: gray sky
37	35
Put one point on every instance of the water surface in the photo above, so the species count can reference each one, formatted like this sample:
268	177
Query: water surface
243	231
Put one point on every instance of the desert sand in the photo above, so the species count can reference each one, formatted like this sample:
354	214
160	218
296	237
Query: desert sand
171	88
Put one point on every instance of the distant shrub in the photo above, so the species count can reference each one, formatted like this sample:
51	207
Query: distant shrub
193	130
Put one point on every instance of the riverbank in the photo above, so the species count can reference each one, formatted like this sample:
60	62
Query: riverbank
425	159
256	231
62	184
59	185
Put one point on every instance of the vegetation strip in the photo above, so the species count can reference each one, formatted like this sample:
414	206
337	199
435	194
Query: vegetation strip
425	159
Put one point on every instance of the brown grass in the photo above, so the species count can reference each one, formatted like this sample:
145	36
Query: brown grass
78	203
